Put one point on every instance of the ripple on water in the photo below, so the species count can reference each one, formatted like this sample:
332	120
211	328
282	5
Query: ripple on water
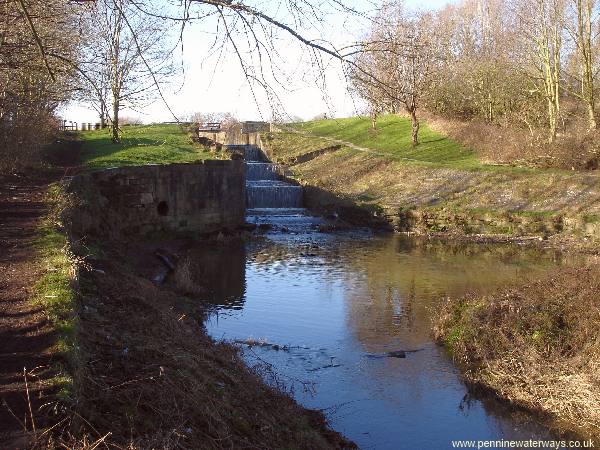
367	295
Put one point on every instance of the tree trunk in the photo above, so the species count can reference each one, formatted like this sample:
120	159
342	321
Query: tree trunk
415	126
103	114
585	47
116	76
592	117
115	121
373	121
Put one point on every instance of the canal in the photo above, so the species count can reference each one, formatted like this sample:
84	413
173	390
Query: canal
343	321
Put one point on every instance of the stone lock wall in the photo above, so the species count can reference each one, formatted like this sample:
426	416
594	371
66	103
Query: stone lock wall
233	136
202	197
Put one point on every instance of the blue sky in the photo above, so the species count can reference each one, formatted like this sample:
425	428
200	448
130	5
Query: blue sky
219	85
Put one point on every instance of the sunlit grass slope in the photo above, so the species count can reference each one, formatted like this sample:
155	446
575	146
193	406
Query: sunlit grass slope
147	144
393	138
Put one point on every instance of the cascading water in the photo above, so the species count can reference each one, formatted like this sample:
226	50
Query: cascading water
253	153
264	185
256	171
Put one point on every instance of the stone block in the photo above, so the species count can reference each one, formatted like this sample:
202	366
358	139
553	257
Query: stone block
200	197
146	198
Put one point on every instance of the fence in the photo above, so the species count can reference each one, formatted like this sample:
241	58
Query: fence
69	125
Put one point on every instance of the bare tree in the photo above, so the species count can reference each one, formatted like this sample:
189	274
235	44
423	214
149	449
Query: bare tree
378	102
36	37
584	33
226	119
127	59
487	71
542	26
397	64
416	66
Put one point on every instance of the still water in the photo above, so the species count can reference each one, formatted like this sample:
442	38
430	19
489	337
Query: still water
340	302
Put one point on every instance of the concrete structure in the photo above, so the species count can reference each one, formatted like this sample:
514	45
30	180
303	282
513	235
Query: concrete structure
256	127
246	133
203	197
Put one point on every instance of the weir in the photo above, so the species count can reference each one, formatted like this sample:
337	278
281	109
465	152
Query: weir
265	184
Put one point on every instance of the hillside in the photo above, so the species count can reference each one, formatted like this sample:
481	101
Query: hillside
147	144
392	139
438	186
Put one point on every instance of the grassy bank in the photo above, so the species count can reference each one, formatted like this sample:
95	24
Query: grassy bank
55	291
145	144
392	138
447	189
535	345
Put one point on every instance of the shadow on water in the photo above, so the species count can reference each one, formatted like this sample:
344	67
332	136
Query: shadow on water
334	306
218	270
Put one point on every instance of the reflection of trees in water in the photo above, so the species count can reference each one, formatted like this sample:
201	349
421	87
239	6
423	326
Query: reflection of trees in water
218	270
394	288
394	284
382	305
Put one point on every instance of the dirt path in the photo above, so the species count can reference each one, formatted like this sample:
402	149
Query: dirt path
350	145
27	338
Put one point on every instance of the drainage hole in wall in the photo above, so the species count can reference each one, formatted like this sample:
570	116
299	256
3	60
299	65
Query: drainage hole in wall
162	208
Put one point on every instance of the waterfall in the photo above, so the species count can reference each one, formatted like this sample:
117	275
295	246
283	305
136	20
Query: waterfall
265	187
262	171
253	153
273	194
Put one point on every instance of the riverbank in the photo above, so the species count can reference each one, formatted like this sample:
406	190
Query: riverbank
124	362
150	376
447	191
535	345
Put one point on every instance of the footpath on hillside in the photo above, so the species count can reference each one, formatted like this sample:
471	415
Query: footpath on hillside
347	144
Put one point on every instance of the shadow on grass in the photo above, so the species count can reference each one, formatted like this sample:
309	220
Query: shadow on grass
142	145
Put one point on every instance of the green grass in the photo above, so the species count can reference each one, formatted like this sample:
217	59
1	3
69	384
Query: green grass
393	139
287	145
54	290
147	144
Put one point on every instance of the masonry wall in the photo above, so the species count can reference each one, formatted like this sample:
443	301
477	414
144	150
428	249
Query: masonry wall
233	136
202	197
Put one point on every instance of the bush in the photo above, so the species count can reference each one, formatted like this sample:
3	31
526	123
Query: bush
535	345
575	148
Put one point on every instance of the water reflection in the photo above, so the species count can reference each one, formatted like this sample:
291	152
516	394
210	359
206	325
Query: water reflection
218	271
341	302
395	288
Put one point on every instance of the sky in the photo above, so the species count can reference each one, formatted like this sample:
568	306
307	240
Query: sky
217	84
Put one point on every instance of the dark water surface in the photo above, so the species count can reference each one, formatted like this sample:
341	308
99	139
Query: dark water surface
340	302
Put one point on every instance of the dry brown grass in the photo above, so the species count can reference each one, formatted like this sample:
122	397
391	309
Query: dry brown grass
536	345
148	376
575	148
183	279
